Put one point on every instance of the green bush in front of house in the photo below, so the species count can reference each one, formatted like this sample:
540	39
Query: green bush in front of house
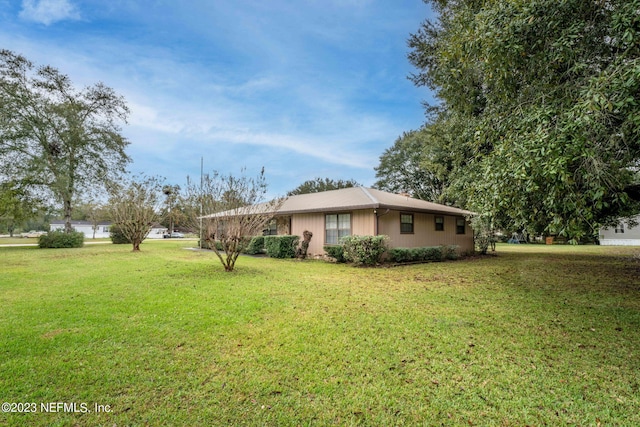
255	246
60	239
423	254
364	250
336	252
281	246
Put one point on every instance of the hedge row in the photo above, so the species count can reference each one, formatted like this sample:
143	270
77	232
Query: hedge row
423	254
273	246
60	239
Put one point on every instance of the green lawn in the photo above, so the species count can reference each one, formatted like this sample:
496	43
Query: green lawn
536	335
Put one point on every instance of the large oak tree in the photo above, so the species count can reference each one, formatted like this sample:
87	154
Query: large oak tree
539	107
56	137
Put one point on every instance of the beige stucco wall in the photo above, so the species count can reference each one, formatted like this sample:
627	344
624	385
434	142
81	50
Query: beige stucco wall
363	223
424	231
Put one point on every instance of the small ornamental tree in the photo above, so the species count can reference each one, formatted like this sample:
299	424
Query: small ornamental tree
235	210
134	207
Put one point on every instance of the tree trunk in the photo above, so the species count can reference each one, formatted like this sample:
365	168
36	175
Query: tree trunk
67	216
136	247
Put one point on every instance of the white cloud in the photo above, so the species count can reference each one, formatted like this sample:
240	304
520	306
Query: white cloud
48	11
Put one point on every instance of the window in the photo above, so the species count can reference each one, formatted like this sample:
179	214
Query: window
406	223
271	229
439	223
460	226
619	228
337	226
105	229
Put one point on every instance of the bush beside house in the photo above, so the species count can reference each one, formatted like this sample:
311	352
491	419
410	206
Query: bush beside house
364	250
281	246
424	254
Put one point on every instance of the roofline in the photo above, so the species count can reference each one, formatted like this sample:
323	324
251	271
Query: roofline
375	204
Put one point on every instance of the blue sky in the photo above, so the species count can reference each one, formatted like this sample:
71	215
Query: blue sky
314	88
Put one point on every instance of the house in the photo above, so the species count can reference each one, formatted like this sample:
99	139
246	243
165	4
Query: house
362	211
102	229
623	234
157	231
86	227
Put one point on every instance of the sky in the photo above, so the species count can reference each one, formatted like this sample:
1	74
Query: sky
305	88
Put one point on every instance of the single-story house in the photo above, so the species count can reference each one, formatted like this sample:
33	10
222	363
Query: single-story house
408	222
622	234
102	229
157	231
86	227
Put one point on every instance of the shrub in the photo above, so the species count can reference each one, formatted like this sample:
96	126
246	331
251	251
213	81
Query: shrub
335	252
117	236
401	255
450	252
281	246
364	250
255	246
60	239
433	253
207	244
423	254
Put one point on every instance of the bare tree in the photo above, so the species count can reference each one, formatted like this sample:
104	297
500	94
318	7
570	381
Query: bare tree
235	210
135	206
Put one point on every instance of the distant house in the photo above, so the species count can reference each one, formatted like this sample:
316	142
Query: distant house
86	227
102	229
157	231
621	235
362	211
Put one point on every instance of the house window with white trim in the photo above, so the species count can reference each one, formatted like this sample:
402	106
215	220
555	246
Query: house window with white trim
336	226
619	228
406	223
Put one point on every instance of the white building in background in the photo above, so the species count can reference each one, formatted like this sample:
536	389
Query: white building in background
621	235
86	227
102	229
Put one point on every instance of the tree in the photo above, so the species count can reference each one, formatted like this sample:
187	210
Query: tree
235	211
319	185
17	205
134	207
172	215
408	167
539	99
55	137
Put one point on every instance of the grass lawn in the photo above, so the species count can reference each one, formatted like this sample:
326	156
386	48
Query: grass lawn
18	240
536	335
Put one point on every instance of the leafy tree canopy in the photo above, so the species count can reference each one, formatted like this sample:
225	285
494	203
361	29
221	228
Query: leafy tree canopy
55	137
539	117
17	205
408	167
319	185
